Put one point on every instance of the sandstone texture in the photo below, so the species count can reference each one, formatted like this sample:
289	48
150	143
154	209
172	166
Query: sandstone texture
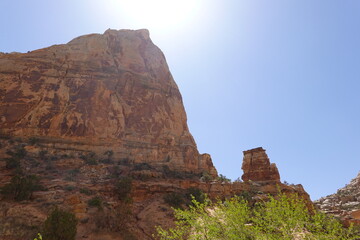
257	167
111	90
345	203
102	118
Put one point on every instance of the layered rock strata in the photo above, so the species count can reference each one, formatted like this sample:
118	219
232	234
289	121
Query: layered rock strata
345	203
257	167
100	91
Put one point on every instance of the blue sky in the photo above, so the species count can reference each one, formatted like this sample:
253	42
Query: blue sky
280	74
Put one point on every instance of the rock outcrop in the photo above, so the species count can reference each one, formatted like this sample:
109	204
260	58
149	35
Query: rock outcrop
101	118
256	166
345	203
111	90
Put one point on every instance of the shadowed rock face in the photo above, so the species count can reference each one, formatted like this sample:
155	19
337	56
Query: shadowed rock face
256	166
113	89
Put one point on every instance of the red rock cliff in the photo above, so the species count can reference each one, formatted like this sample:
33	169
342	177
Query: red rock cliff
112	89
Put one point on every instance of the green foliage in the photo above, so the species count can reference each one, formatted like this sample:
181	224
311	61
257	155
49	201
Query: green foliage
206	177
16	155
21	187
174	199
95	202
222	178
69	188
284	217
12	163
142	166
123	188
86	191
39	237
195	193
60	225
89	158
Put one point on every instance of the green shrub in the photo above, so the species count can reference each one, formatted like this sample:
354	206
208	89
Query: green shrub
12	163
19	152
195	193
284	217
123	188
86	191
60	225
89	158
95	202
174	199
69	188
21	187
223	179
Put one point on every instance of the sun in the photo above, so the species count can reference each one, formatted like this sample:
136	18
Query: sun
159	14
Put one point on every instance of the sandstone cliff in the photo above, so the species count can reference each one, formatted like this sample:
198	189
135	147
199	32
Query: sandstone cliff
101	118
111	90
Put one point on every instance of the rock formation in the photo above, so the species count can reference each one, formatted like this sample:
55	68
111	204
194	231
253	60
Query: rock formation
111	90
100	111
256	166
345	203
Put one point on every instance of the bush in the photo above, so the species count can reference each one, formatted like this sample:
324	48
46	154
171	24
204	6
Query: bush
284	217
195	193
12	163
123	188
221	178
89	158
60	225
86	191
21	187
174	199
95	202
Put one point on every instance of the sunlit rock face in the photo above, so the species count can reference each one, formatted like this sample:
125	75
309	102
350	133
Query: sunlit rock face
257	167
112	89
345	203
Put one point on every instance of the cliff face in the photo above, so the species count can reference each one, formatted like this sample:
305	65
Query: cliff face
112	89
102	118
345	203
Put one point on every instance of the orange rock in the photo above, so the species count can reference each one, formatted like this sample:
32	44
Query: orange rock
99	92
256	166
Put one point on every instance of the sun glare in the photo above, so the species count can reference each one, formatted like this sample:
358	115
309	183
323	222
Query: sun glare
159	14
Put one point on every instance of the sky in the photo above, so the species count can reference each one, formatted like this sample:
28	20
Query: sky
280	74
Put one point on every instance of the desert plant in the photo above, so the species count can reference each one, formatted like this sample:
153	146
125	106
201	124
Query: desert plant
21	187
174	199
123	188
86	191
89	158
221	178
12	163
95	202
60	225
195	193
283	217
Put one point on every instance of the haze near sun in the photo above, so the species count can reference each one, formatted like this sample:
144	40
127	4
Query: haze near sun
157	14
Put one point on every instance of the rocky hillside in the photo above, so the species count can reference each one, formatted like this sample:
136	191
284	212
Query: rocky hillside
97	127
345	203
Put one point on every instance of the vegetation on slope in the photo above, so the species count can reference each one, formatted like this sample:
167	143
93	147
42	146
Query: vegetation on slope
284	217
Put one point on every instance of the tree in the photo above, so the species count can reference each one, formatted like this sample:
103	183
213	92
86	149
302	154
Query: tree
283	217
21	187
60	225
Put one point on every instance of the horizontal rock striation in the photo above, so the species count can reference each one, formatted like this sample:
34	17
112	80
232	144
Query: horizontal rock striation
256	166
111	90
